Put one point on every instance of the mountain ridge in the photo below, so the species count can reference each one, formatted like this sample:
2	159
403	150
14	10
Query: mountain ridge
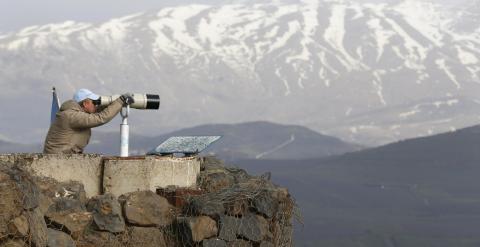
256	140
311	63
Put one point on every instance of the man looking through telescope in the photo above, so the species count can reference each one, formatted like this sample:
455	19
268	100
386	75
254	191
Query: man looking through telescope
71	130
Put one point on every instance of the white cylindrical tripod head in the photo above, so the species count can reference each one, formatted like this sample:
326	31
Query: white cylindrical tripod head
124	132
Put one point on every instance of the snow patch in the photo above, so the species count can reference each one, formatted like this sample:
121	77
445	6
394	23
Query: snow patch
395	127
310	18
271	33
465	57
442	65
409	114
17	44
115	29
285	82
28	31
293	27
356	129
349	111
425	17
382	36
378	85
335	34
173	20
416	52
449	103
358	9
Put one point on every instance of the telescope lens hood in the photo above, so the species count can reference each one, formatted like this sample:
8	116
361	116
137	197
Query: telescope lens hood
153	101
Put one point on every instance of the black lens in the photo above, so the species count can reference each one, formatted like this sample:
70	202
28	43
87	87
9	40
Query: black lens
153	101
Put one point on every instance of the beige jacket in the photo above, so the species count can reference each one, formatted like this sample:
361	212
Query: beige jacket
70	132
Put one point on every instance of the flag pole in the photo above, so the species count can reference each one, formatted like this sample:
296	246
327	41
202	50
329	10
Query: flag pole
55	105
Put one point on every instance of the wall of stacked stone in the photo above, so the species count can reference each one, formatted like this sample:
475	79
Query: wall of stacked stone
117	175
229	208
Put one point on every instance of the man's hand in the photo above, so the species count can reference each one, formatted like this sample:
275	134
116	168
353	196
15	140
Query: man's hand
127	99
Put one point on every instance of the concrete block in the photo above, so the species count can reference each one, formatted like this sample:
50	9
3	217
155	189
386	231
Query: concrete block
84	168
116	175
123	175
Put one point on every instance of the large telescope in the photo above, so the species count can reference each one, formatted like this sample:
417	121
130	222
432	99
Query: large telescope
140	101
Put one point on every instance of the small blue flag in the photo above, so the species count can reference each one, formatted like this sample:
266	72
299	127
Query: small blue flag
55	105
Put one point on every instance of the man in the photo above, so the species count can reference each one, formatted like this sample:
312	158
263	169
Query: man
70	132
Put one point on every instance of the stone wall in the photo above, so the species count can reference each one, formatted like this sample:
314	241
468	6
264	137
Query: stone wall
84	168
226	207
116	175
123	175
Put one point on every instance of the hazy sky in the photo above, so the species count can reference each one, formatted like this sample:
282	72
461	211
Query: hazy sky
16	14
21	13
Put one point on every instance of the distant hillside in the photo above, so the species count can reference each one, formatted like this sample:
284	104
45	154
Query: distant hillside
10	147
453	148
418	192
254	140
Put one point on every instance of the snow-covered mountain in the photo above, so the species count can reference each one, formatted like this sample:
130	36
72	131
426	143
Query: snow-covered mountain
366	71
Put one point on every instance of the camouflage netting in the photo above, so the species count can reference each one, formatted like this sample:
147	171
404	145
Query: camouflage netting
229	208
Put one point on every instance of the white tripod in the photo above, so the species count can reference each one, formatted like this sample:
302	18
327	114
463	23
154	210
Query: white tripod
124	132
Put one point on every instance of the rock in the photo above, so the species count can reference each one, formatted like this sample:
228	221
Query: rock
237	206
239	243
214	243
265	204
145	237
44	203
145	208
38	228
283	234
14	243
281	194
228	227
11	197
205	205
215	181
26	187
99	239
268	244
286	207
254	228
53	189
19	226
68	215
19	207
210	163
198	228
72	190
74	223
239	175
59	239
10	206
65	206
107	213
